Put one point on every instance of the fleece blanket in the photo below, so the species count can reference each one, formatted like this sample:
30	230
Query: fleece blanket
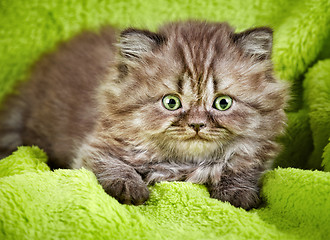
37	203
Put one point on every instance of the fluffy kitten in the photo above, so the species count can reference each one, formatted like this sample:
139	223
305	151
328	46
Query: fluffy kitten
193	102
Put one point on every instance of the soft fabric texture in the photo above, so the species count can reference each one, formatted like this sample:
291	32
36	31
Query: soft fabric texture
36	203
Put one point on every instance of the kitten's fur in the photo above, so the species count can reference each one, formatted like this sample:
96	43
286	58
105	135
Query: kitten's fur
97	104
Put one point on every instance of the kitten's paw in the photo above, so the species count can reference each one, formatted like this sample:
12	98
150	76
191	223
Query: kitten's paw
127	190
246	198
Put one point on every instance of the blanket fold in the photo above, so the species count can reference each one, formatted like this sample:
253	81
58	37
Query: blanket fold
69	204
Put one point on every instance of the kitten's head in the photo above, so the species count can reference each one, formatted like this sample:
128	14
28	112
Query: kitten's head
194	87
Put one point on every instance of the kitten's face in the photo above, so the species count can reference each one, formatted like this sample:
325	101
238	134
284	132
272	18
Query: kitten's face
194	88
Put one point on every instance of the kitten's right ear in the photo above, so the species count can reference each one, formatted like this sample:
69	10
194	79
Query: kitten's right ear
135	43
257	42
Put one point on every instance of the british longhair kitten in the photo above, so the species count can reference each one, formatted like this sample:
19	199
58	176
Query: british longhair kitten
194	102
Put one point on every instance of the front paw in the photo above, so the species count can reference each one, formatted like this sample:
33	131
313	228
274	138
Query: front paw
238	196
128	189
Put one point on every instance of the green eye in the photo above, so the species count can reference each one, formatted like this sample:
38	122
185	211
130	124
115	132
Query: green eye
223	103
171	102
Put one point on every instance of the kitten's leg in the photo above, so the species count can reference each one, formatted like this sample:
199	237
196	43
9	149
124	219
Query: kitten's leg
121	181
117	178
11	126
240	189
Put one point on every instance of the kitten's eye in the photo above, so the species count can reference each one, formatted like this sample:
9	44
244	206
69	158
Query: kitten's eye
171	102
223	103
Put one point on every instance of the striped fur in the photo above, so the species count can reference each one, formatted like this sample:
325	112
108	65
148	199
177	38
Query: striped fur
97	103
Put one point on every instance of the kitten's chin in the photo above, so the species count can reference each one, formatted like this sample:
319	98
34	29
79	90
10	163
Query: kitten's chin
195	148
188	145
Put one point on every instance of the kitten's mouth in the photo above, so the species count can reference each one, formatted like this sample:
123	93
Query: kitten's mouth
197	137
188	135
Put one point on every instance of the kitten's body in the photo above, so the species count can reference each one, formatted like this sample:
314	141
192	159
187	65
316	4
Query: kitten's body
98	105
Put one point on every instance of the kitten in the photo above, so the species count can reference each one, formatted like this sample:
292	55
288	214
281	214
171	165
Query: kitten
192	102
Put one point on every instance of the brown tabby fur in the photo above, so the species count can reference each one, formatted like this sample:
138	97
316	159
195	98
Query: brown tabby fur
97	104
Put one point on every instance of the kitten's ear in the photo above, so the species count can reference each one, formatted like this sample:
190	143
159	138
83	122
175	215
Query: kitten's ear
257	42
135	43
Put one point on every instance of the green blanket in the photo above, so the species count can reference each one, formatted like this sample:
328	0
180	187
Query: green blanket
36	203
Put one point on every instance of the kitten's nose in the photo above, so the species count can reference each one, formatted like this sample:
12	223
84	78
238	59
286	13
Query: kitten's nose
197	126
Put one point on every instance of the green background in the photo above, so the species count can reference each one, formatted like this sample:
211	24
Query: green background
37	203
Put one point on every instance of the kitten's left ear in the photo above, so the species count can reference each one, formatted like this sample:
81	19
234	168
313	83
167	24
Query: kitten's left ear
134	43
257	42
